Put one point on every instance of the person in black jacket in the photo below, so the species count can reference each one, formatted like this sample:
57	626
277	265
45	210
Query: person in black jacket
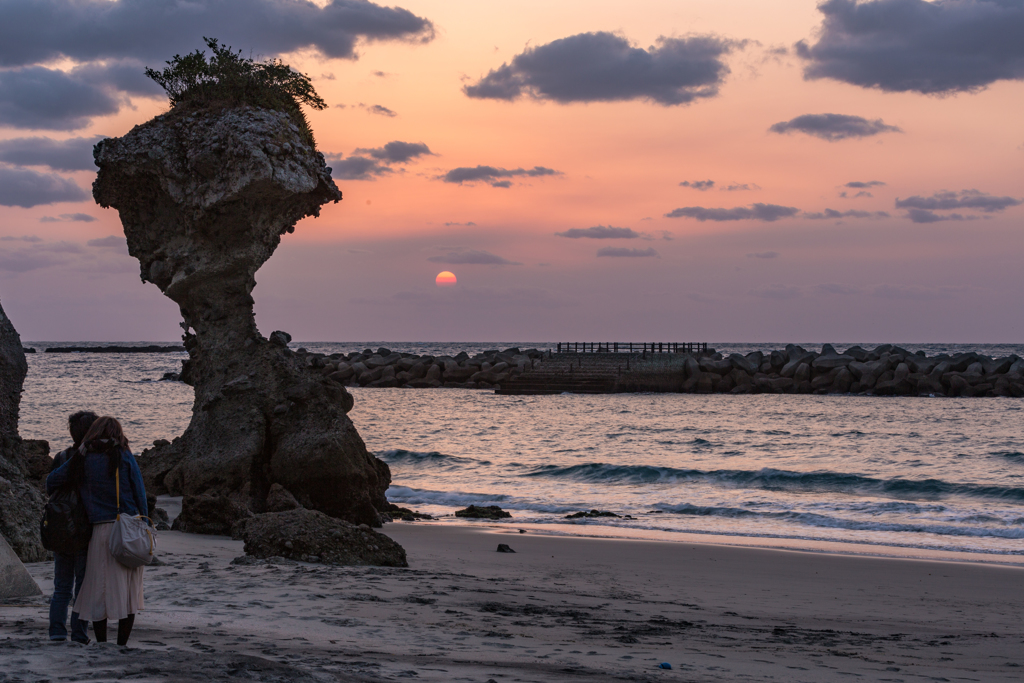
69	570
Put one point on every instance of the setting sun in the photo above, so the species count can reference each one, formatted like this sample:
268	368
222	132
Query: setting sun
445	279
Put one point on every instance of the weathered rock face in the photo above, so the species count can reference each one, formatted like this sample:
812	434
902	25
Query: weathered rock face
21	502
204	199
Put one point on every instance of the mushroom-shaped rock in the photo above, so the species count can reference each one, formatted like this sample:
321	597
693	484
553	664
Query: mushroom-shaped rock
204	195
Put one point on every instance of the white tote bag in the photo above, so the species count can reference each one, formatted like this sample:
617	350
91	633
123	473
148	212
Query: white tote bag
132	540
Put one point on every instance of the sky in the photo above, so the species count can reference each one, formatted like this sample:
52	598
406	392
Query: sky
667	170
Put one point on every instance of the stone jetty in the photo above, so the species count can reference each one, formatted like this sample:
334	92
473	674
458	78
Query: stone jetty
884	371
386	368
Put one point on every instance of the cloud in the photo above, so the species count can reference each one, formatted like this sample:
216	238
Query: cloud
451	223
777	292
37	98
112	42
35	31
356	168
833	127
965	199
759	212
378	163
74	154
740	187
469	174
764	254
701	185
472	257
911	45
503	184
397	152
111	242
26	188
379	109
829	214
926	216
863	185
600	232
23	238
622	252
68	218
604	67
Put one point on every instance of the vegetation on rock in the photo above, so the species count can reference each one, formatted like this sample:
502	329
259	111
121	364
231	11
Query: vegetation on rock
227	79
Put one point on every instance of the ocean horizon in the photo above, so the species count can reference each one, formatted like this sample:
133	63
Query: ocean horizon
910	476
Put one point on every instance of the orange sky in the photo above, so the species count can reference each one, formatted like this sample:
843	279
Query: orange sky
361	270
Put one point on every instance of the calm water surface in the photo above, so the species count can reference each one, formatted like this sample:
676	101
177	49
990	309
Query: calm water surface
913	473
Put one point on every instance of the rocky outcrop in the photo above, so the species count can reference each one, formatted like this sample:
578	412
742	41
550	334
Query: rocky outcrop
204	198
483	512
21	501
887	370
310	536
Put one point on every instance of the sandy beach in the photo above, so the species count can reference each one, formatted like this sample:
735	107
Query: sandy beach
558	609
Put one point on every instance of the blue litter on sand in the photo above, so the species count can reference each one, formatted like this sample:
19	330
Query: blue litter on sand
664	665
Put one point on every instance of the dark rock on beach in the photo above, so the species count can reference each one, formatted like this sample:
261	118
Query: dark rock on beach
205	196
592	513
311	536
481	512
404	514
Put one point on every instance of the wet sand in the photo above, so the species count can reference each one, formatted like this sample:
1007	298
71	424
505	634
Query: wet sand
558	609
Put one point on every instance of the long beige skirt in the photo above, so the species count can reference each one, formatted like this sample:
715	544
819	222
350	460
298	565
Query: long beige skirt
110	590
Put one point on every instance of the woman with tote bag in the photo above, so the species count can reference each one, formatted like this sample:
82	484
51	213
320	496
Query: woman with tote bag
112	486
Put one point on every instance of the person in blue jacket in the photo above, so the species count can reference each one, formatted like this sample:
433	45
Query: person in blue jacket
112	484
69	570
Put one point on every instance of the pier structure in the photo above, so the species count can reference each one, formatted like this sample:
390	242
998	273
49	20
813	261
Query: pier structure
632	347
608	368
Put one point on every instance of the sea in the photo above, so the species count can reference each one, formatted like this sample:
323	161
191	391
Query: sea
937	478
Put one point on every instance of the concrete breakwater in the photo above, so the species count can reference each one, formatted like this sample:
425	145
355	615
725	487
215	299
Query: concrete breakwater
884	371
385	368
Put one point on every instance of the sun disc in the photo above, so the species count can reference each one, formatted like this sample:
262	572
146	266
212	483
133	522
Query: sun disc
445	279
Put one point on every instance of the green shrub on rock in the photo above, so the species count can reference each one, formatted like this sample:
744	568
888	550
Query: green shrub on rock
229	80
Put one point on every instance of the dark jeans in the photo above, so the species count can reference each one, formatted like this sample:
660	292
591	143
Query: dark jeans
68	573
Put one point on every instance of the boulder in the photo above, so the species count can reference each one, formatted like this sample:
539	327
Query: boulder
312	536
15	581
719	367
795	360
802	373
482	512
741	363
832	361
204	197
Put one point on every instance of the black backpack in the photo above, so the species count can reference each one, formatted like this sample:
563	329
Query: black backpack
65	526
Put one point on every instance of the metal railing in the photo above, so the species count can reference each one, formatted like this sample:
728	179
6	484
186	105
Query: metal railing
631	347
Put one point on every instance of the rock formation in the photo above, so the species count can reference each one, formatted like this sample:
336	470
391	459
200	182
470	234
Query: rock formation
204	197
21	501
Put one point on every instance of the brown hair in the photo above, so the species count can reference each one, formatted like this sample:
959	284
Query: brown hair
107	429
